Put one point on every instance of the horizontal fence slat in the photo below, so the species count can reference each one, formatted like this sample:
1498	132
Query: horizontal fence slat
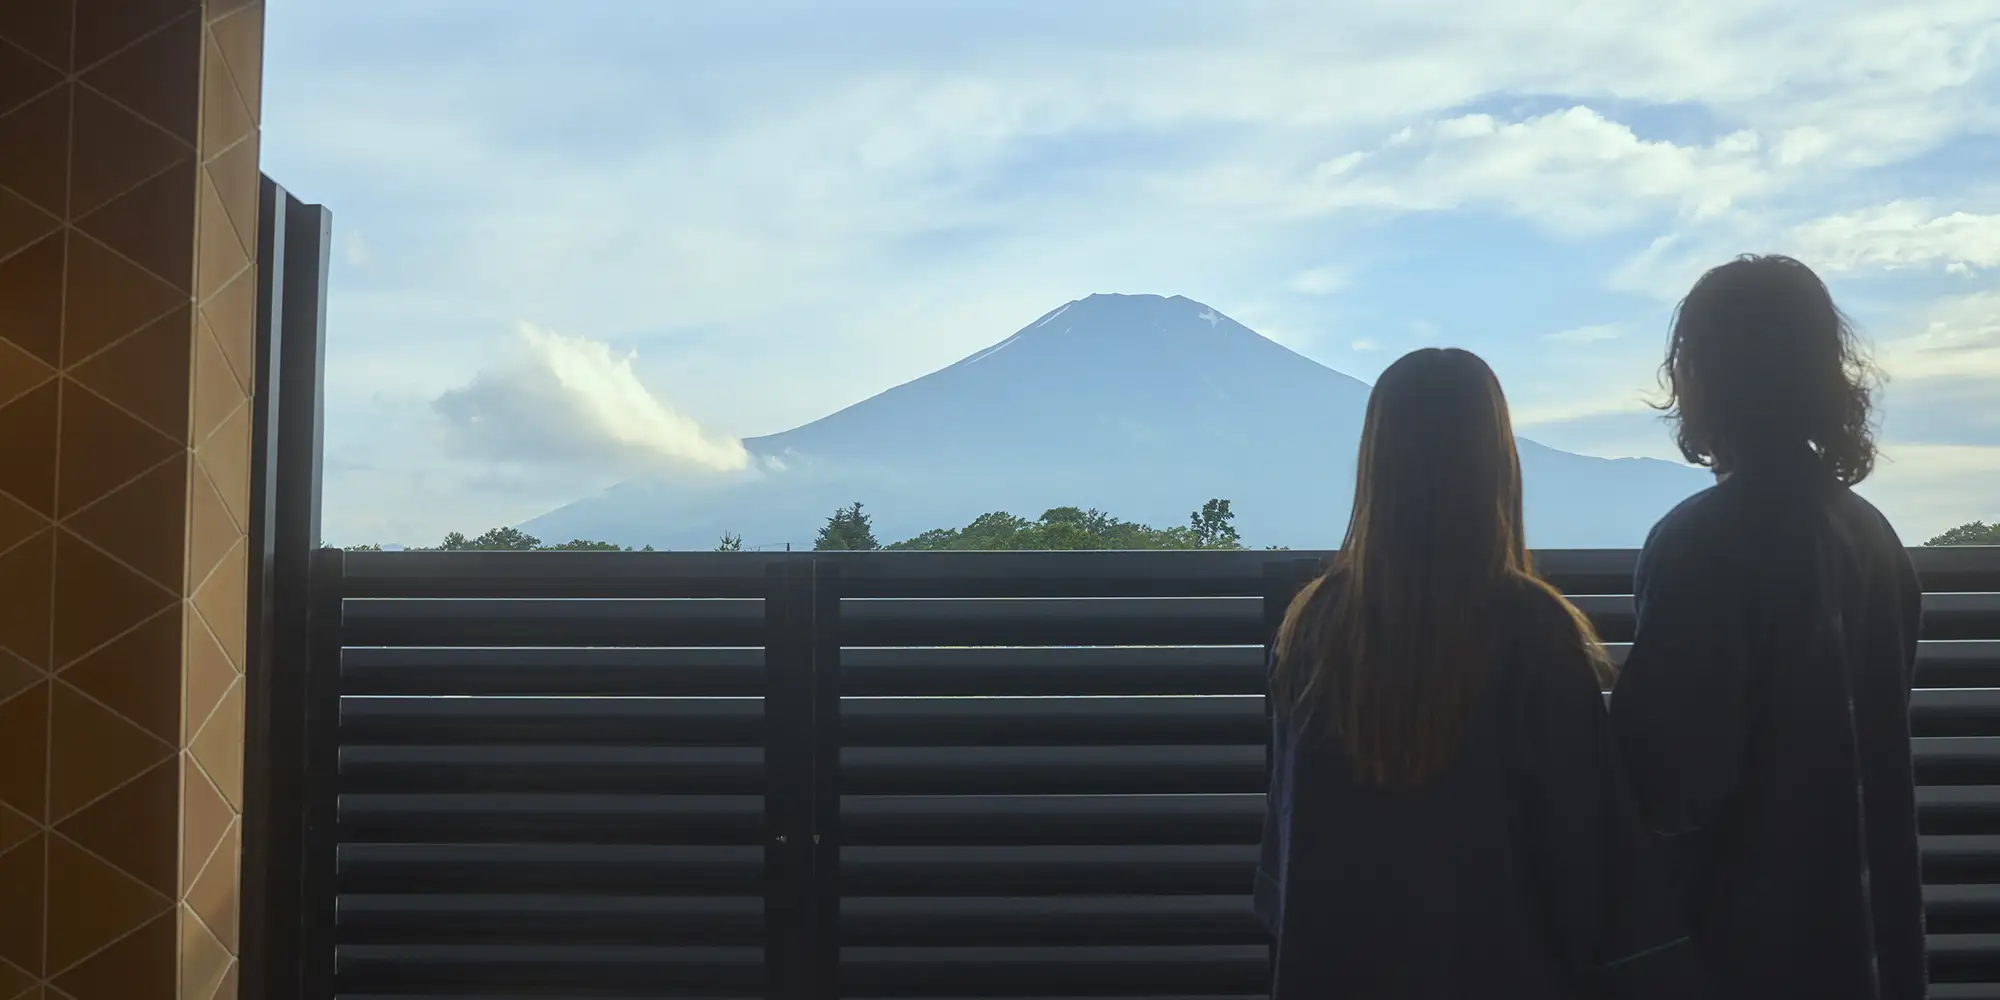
430	670
609	868
1052	819
1052	670
682	770
452	968
1040	621
1042	721
1168	869
1132	769
977	970
644	721
535	817
1049	919
552	622
563	919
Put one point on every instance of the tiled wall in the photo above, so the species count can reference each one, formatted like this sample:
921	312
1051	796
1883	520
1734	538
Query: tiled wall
128	205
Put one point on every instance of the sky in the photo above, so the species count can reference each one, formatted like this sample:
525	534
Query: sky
659	227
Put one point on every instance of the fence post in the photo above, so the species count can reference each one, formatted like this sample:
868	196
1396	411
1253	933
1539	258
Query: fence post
788	795
320	783
827	881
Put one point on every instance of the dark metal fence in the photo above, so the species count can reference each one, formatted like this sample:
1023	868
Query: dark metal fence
880	775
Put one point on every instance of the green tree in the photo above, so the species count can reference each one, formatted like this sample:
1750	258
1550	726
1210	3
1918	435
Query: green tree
847	530
495	539
583	545
1212	528
1071	528
1973	533
730	543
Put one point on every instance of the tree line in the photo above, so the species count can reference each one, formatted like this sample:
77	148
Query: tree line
851	528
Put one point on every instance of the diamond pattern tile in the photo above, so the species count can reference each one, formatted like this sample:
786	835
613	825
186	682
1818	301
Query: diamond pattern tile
222	256
25	571
31	298
203	958
23	77
21	223
97	599
108	298
106	26
18	521
142	965
151	224
14	982
146	374
211	531
41	28
159	78
226	990
217	393
20	372
127	828
16	675
91	904
21	909
223	603
236	181
208	674
240	37
42	123
24	747
213	897
231	315
15	828
138	675
224	119
115	149
118	446
225	455
139	523
218	748
93	752
207	818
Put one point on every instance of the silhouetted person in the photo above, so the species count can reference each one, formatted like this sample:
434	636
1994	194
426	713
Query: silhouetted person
1763	712
1447	817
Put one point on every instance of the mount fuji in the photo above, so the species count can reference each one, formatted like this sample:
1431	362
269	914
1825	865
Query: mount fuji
1138	405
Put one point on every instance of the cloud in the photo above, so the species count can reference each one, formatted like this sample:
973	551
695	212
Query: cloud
1900	234
1320	280
1587	334
565	398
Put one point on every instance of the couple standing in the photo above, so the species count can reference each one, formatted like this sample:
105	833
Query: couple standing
1454	812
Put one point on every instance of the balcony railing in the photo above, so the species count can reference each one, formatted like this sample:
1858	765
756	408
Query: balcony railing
881	774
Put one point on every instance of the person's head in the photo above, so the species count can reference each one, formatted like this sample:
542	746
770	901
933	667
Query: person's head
1391	646
1762	368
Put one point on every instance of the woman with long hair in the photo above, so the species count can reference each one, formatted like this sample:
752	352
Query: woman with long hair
1764	710
1447	817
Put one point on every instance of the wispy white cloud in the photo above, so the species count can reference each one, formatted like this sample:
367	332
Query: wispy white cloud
1901	234
1587	334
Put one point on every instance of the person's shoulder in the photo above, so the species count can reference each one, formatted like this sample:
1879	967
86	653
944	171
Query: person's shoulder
1702	514
1856	510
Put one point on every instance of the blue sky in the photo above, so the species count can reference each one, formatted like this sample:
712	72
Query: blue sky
785	207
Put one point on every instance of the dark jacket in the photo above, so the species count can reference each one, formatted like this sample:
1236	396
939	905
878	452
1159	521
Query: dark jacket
1523	872
1763	716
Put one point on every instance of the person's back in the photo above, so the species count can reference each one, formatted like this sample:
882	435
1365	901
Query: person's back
1447	817
1763	712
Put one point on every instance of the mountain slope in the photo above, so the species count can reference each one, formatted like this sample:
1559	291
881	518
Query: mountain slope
1139	405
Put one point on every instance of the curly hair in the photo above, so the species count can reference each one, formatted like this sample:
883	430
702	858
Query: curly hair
1761	365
